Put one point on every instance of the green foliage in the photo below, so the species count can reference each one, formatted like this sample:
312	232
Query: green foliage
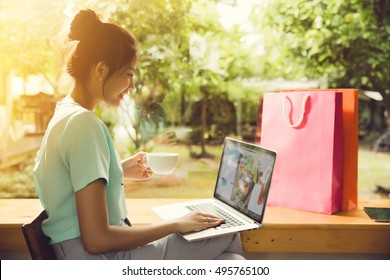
28	40
178	40
18	182
108	116
344	42
161	28
220	118
183	47
186	58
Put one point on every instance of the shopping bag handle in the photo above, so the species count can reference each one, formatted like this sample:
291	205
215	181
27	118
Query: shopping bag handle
299	122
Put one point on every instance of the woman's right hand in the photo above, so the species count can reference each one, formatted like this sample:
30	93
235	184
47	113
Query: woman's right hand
196	220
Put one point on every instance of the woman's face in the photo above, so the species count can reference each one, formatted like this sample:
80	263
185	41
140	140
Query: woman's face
118	85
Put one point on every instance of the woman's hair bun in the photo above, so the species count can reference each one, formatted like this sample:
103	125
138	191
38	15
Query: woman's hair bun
83	23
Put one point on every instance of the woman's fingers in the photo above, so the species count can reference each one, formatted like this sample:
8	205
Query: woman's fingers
196	220
209	219
141	158
147	172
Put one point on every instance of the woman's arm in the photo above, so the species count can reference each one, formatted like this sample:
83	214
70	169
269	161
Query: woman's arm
99	237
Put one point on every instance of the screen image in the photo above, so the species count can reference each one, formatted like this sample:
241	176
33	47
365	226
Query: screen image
244	177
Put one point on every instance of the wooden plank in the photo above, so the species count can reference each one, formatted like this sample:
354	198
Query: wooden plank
15	212
353	219
24	145
317	240
284	230
287	230
18	151
12	240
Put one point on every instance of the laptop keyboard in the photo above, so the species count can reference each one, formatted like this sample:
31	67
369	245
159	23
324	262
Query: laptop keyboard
210	208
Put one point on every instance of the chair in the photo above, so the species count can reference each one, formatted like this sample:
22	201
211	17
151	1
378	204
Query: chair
38	244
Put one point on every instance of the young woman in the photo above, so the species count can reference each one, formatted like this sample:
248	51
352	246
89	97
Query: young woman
79	175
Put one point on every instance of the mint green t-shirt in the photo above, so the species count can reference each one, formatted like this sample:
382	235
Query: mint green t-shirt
76	150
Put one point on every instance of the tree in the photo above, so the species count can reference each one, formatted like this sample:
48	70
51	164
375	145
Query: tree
28	38
186	55
342	42
162	29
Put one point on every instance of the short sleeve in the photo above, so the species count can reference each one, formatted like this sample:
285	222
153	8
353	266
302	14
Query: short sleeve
84	150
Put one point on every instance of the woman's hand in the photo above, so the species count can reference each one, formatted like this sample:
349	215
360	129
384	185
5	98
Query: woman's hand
196	220
135	167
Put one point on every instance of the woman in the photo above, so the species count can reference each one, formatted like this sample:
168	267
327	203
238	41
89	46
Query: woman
79	175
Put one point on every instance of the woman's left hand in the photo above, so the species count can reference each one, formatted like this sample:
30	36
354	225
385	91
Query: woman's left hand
135	167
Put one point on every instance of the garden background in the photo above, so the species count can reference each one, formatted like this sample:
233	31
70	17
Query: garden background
204	67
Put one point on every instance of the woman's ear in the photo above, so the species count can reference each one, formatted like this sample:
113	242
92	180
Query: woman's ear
101	71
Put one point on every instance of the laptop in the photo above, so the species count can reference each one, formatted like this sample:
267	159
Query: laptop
240	194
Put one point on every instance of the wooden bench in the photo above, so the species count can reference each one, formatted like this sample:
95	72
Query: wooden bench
284	230
20	150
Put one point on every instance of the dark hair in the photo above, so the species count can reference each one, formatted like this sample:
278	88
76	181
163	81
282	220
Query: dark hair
98	41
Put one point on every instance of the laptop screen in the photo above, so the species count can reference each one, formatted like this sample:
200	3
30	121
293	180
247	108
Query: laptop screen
244	177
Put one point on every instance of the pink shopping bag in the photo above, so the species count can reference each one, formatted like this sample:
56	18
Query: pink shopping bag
350	145
305	129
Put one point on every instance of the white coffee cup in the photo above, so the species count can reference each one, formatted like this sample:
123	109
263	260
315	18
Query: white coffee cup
162	163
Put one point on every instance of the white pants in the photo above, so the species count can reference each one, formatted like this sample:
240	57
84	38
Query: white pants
171	247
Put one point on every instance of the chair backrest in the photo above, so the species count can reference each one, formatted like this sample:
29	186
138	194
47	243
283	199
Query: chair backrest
38	244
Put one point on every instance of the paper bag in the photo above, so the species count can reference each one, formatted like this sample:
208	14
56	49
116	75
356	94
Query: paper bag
350	146
305	129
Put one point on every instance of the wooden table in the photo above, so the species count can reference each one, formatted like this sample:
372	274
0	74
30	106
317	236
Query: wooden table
284	230
287	230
